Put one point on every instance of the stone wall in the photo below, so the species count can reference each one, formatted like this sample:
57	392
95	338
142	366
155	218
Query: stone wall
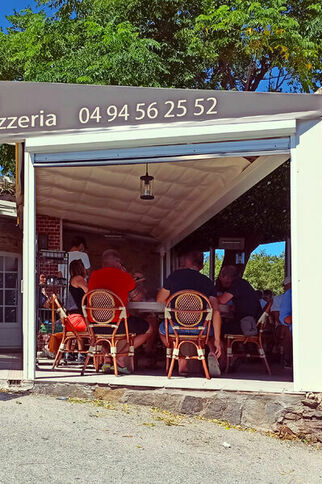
290	416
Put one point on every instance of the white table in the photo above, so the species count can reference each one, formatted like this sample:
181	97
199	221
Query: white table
146	306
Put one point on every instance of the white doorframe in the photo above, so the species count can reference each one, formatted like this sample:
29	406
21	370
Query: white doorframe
29	271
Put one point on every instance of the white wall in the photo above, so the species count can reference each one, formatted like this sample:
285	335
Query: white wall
306	220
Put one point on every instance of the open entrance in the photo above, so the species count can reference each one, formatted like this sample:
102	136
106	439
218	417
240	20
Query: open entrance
102	203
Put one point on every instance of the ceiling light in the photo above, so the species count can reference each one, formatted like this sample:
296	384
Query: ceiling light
146	192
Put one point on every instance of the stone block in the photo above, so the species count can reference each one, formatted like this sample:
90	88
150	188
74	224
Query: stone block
109	394
193	405
225	406
170	401
69	390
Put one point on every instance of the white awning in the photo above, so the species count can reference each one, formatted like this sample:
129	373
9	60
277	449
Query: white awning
186	194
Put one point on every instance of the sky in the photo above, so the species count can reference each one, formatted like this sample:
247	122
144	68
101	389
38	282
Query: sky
7	8
277	248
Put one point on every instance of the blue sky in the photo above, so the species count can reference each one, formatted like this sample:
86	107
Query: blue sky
277	248
7	8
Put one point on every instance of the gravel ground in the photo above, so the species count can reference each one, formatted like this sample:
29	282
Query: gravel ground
44	439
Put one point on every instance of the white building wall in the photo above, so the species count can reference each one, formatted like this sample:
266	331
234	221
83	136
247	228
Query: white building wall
306	230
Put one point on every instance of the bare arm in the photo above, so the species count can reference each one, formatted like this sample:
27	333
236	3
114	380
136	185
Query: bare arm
288	320
225	298
163	295
79	282
216	321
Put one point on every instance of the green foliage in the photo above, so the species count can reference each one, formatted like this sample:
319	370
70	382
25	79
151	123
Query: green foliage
84	50
262	271
262	214
244	42
218	263
266	272
7	159
224	44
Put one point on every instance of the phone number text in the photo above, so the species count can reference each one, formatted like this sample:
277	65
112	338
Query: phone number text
149	111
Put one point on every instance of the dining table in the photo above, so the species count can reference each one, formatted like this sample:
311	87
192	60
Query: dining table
146	306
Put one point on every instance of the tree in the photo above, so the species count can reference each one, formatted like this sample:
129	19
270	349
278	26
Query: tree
266	272
218	264
206	44
221	44
245	42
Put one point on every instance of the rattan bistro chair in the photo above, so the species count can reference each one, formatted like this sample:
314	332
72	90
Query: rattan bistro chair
72	341
104	309
187	310
257	340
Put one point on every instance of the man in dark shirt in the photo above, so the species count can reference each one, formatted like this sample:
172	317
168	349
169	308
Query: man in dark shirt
247	308
189	277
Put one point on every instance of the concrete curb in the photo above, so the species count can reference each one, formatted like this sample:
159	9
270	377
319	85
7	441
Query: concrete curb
286	415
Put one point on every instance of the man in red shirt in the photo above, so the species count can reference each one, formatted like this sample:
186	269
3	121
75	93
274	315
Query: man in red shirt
113	276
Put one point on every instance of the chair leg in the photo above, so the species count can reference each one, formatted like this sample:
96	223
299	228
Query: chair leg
85	363
132	363
263	357
96	359
57	359
167	359
175	352
229	354
115	366
132	357
205	367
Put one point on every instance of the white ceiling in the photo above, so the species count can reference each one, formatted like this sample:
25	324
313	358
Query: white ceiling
108	196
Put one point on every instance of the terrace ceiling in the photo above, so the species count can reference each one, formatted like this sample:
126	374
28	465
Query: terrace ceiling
108	196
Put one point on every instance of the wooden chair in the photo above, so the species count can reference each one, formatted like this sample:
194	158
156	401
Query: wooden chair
187	310
104	309
72	341
231	339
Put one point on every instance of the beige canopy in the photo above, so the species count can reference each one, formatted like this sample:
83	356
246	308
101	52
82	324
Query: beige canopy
186	194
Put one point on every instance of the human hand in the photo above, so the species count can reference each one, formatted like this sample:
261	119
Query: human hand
217	348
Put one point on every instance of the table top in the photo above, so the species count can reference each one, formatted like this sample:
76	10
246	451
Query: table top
146	306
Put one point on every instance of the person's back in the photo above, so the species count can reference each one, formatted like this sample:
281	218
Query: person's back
247	308
185	279
113	279
245	299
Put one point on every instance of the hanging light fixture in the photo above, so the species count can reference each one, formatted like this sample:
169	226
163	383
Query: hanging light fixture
146	185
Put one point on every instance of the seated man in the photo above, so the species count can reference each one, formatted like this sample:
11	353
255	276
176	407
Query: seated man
112	276
286	321
247	308
189	277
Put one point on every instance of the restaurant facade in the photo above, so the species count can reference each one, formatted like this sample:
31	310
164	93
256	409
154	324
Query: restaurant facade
82	151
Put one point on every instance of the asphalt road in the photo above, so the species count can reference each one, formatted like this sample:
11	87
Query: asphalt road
46	440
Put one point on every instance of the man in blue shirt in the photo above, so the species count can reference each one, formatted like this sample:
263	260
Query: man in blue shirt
286	321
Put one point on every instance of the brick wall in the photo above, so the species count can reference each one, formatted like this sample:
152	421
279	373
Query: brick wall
10	236
52	227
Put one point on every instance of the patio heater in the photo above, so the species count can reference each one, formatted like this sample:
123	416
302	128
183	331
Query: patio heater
146	191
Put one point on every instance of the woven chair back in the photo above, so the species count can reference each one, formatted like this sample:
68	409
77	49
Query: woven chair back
103	307
188	309
59	309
